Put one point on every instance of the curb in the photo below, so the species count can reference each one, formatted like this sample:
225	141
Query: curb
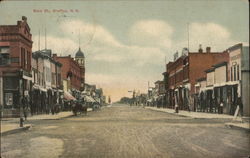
15	130
237	127
183	115
173	113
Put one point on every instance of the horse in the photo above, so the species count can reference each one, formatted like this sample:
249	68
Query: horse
79	107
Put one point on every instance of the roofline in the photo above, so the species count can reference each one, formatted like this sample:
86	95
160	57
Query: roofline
220	64
201	79
237	46
209	70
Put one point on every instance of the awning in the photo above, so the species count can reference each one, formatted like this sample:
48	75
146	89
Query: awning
35	86
232	83
149	100
206	88
89	99
68	96
187	86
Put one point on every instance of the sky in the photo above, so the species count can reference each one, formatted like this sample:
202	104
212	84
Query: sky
127	43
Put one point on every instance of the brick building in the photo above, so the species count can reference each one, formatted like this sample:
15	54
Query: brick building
227	82
71	72
15	65
183	73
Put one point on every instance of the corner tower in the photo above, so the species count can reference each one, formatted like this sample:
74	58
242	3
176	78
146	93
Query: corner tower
80	59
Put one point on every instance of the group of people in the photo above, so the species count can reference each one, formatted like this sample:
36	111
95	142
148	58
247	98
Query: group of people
26	107
220	107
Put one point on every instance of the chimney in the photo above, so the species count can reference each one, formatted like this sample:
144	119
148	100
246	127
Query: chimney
200	49
208	49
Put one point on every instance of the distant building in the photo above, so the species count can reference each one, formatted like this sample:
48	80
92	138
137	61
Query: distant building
15	65
160	91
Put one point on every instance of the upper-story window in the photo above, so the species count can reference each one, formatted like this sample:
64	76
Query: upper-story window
4	55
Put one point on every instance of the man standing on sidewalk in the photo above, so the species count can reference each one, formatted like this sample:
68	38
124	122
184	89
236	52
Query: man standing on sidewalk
24	106
221	107
176	106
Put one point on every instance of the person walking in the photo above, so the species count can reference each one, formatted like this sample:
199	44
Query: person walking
176	106
221	107
25	106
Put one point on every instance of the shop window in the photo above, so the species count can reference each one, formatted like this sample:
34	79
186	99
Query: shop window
4	55
10	83
231	74
234	73
238	72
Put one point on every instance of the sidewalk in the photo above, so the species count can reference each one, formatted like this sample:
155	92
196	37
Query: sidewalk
234	123
11	125
241	125
9	128
201	115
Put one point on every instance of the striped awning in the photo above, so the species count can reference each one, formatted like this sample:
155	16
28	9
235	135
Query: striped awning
68	96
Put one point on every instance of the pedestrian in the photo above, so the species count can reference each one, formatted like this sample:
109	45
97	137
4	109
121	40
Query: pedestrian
239	103
189	104
176	107
221	107
25	107
189	108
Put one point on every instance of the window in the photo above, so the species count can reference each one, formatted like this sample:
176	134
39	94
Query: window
4	55
238	72
234	72
231	74
28	61
22	57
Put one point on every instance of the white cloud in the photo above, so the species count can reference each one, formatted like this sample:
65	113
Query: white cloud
60	46
210	34
107	58
105	47
151	33
89	32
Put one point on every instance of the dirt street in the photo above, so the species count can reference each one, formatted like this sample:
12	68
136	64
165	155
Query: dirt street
121	131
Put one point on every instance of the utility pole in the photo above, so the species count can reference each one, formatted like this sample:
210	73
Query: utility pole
188	35
45	40
39	41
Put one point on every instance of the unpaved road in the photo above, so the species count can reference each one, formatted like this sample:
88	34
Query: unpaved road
127	132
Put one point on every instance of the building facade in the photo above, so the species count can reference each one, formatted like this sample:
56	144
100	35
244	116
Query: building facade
47	84
15	65
183	73
227	83
238	68
71	74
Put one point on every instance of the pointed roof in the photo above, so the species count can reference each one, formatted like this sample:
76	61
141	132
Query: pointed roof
79	53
